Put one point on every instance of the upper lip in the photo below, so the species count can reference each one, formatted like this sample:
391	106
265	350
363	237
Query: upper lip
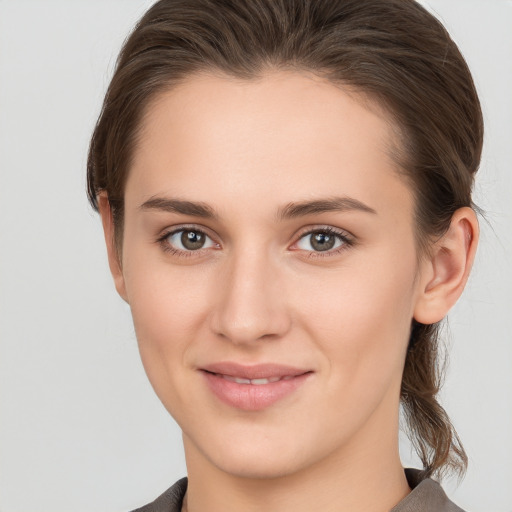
257	371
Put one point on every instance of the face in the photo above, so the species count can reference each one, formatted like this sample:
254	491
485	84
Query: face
270	264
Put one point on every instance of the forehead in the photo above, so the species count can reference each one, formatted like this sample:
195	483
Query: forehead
285	134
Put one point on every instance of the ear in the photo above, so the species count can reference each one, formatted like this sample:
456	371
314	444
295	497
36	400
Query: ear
114	260
445	272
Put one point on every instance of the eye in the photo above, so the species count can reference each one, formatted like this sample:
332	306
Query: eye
187	240
322	240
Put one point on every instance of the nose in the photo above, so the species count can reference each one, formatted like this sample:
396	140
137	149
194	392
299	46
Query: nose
251	305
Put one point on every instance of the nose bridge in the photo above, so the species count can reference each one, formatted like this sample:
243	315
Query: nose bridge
250	304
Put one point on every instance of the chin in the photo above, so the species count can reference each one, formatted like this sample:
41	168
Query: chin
257	465
253	456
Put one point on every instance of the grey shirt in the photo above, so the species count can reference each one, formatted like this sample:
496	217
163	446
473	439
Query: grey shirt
426	496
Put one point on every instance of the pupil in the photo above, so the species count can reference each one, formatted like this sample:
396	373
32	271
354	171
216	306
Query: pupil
322	241
192	240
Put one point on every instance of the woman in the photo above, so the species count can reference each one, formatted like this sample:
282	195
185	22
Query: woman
285	190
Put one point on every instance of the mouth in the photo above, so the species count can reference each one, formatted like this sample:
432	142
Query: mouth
255	382
253	388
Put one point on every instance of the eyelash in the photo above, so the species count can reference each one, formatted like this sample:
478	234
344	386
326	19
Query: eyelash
346	239
168	248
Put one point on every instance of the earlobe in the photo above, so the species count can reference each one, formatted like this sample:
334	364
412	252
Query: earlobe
445	273
112	252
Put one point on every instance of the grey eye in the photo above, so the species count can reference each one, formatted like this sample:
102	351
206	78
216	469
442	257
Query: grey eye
320	241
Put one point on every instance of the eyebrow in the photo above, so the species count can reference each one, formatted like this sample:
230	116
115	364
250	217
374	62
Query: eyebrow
194	209
332	204
289	211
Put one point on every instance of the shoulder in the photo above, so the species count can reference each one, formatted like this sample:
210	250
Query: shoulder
426	495
169	501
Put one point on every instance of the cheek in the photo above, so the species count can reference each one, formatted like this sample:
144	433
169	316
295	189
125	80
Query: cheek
168	305
361	318
167	310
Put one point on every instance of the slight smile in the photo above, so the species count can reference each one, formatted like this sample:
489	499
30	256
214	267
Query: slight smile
253	388
256	382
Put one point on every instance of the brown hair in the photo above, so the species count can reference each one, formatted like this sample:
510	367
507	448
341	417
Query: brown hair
393	51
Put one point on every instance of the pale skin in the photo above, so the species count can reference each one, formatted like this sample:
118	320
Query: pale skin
259	291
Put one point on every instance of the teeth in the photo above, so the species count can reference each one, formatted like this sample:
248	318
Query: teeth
265	381
256	382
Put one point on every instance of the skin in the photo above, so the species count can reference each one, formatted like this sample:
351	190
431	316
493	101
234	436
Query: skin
258	292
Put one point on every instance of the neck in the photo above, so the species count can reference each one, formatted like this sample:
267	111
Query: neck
365	476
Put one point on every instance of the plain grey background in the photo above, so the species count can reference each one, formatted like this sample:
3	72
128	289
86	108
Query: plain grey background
80	427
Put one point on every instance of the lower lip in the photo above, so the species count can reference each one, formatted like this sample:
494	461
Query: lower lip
252	397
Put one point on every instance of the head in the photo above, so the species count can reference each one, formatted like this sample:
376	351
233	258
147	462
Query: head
396	73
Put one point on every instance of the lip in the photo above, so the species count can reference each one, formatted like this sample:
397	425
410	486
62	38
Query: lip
281	381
